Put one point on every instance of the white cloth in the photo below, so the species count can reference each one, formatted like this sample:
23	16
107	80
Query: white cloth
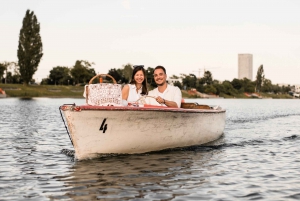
103	94
133	96
172	93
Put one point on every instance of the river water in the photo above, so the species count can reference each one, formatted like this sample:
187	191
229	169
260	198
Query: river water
258	158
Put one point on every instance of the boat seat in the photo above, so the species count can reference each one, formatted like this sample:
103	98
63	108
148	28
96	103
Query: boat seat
194	106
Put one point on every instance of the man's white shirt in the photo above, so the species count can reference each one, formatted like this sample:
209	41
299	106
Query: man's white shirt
171	93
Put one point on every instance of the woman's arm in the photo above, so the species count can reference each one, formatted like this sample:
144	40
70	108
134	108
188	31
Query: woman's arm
125	92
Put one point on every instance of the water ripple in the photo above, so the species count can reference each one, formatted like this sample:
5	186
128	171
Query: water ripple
258	157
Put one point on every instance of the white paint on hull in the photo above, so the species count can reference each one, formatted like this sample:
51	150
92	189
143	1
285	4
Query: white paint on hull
140	131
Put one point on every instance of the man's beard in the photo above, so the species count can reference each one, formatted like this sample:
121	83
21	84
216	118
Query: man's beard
161	84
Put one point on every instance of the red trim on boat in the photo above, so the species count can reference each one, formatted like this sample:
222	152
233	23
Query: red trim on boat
148	108
156	106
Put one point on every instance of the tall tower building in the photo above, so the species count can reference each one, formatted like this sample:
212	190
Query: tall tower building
245	66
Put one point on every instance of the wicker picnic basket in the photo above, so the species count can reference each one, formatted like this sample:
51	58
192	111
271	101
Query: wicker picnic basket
103	94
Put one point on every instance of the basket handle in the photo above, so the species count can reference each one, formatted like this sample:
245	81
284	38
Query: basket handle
99	75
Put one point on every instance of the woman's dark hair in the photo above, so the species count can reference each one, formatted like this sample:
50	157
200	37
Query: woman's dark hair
144	83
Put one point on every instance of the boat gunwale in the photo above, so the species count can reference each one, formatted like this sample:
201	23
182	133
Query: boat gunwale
158	109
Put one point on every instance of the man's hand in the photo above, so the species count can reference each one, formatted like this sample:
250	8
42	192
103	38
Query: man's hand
160	100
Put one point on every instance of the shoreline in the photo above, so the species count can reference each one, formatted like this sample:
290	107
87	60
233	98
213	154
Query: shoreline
62	91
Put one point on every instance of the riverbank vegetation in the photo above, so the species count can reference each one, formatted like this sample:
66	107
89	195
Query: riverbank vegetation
23	91
70	91
69	82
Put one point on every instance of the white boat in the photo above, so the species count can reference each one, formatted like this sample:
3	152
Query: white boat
96	130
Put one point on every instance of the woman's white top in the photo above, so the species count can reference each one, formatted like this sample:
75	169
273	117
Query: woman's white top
133	96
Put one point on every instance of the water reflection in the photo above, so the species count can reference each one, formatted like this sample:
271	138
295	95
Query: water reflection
21	119
163	175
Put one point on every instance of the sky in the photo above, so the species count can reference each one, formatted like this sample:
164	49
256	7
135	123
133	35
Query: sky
184	36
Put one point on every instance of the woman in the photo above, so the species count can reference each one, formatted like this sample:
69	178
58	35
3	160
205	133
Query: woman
137	86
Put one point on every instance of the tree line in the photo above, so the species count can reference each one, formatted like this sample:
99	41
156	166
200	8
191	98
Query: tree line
82	72
208	85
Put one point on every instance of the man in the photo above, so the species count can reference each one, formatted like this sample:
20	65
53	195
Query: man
165	94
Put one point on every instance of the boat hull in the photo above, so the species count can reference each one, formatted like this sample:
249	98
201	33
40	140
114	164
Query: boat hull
98	130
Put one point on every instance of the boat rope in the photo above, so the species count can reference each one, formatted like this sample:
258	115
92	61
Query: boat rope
65	122
142	98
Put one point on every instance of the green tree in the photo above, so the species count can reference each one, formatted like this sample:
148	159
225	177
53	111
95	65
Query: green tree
150	77
115	74
267	86
60	75
16	73
178	84
5	67
9	78
286	89
259	78
16	79
237	83
30	47
127	71
243	85
82	71
276	88
174	77
192	80
210	89
199	86
219	89
189	81
247	86
2	69
216	82
228	88
207	78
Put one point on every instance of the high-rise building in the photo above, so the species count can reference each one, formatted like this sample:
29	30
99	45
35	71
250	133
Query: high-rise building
245	66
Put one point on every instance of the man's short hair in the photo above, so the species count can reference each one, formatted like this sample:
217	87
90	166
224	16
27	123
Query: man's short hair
160	67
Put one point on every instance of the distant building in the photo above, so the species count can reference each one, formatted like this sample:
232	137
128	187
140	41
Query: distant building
297	88
171	81
245	62
294	88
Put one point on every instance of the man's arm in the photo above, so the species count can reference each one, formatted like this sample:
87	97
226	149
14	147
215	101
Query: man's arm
176	102
170	103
